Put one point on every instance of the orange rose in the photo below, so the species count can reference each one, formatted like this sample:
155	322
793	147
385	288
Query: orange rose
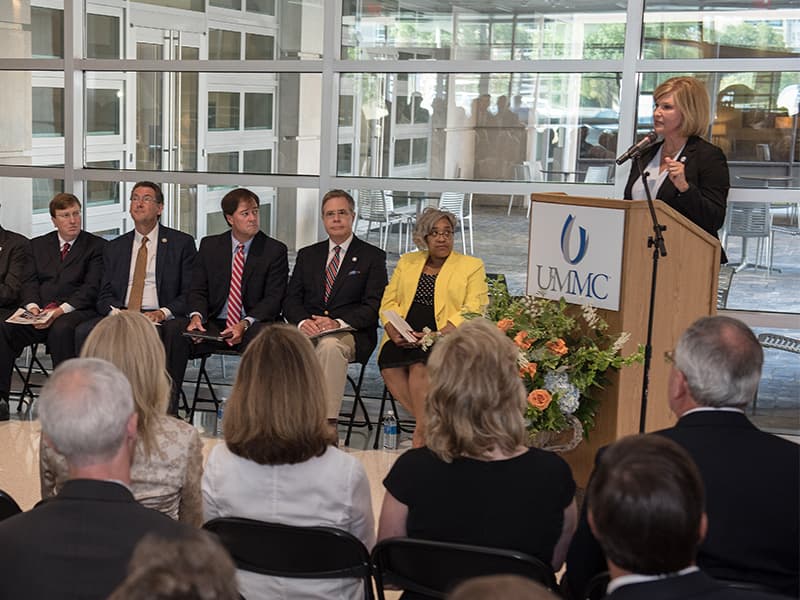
505	324
557	347
520	340
539	399
529	370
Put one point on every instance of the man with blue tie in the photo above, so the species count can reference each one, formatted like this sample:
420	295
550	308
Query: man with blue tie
337	284
238	283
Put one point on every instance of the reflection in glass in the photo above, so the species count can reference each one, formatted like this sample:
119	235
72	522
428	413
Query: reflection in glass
259	47
102	112
257	161
48	111
263	7
223	111
223	162
42	191
498	126
232	4
148	111
257	111
47	32
102	36
224	44
721	29
102	193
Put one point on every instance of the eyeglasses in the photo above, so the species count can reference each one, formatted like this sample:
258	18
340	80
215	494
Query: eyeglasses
669	357
147	199
69	215
342	213
445	235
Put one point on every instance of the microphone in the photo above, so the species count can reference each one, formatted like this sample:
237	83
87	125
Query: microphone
639	147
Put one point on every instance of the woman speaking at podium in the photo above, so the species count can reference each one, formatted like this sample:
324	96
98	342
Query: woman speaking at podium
685	171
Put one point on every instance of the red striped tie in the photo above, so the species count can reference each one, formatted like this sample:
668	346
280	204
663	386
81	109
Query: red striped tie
64	250
235	292
330	272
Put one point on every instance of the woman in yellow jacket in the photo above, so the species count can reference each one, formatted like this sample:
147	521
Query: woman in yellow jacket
433	288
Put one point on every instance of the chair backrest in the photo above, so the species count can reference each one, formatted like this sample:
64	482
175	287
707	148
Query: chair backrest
8	506
371	205
534	169
596	174
288	551
452	201
748	219
434	568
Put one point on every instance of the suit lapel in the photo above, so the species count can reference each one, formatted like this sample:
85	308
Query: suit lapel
162	247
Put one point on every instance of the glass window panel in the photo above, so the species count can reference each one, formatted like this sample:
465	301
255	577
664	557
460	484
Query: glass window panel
257	111
195	5
232	4
259	47
223	162
48	111
107	234
346	111
497	126
47	32
223	111
262	7
447	30
224	44
721	29
102	193
257	161
102	36
102	111
42	191
344	159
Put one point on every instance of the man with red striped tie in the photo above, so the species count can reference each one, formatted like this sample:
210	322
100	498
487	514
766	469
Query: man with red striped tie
334	295
238	283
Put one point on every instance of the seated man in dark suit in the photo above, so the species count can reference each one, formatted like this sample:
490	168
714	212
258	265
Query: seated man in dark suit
645	506
337	283
148	269
16	270
78	543
68	264
238	283
751	478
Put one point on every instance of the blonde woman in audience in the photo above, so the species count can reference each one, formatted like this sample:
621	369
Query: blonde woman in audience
168	460
477	482
278	462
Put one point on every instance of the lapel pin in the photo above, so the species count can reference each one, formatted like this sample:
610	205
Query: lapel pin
163	240
354	259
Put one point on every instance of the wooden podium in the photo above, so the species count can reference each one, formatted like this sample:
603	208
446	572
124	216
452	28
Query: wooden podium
686	290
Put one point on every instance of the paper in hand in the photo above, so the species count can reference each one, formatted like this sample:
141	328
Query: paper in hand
402	326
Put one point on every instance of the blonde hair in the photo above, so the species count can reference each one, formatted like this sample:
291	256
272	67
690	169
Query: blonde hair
276	412
130	342
476	398
425	223
691	98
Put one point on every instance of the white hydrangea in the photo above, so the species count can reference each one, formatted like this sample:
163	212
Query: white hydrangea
568	394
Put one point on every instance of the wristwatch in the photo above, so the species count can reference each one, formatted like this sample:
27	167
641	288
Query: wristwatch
246	324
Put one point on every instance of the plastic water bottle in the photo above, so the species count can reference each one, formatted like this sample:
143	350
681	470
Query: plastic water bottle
390	431
220	414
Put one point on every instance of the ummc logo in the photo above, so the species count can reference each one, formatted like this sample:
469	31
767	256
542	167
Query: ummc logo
566	236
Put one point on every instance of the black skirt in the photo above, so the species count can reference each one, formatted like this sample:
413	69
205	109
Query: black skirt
391	355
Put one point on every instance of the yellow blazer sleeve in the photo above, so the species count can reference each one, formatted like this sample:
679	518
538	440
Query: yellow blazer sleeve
460	288
399	293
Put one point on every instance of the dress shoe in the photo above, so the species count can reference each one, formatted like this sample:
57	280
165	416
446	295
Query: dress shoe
4	412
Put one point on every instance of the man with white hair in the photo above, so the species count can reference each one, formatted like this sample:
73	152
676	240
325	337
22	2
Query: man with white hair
752	478
77	544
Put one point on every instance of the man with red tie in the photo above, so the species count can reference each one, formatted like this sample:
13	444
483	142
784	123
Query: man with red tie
68	263
334	295
238	283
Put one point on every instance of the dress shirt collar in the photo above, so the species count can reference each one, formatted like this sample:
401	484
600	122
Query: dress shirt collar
344	246
713	409
235	245
637	578
152	237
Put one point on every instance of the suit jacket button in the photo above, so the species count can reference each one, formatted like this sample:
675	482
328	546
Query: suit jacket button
326	313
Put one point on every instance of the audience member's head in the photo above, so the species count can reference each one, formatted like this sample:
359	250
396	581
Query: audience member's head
193	567
231	202
476	397
507	587
86	411
718	362
276	410
130	341
646	504
63	201
427	221
157	195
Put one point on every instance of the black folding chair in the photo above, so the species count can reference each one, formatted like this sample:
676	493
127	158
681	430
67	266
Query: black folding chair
432	569
349	419
289	551
404	425
8	506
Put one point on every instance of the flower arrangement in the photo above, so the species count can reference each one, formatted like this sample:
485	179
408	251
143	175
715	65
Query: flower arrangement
564	352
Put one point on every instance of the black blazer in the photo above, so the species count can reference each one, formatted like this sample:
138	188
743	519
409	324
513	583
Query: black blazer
75	280
76	544
356	294
174	261
706	170
697	586
752	483
16	269
266	271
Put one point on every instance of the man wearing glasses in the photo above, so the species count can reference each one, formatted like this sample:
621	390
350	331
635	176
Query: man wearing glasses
68	265
334	294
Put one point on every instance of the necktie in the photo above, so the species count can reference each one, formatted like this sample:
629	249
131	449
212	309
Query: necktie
137	287
330	272
235	292
64	250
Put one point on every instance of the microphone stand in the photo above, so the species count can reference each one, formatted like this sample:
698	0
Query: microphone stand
655	241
